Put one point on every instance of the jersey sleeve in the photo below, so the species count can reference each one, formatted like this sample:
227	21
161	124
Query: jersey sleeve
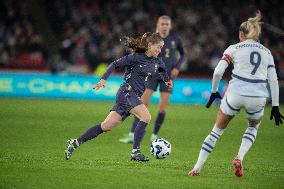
228	54
162	71
273	82
181	52
121	62
271	62
218	74
221	67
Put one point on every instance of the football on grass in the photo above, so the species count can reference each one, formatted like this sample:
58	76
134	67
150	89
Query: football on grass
160	148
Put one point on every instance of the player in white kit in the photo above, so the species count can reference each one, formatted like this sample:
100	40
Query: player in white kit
253	70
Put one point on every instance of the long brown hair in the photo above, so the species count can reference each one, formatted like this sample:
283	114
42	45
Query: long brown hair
140	44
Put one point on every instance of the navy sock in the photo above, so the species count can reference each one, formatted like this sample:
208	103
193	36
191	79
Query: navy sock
134	124
90	133
139	134
159	121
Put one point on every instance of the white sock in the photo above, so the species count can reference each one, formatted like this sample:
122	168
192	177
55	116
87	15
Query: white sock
207	147
131	135
153	137
247	141
134	150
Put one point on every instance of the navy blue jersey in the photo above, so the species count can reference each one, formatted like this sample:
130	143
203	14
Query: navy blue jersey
172	44
139	69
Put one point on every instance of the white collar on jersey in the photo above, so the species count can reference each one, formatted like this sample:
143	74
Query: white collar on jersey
251	40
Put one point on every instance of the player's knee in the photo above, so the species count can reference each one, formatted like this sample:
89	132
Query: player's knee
108	125
146	103
105	127
162	108
146	118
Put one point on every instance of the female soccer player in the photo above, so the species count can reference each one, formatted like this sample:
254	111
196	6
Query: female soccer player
253	66
139	68
172	45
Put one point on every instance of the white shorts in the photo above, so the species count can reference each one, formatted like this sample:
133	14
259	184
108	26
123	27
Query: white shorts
232	103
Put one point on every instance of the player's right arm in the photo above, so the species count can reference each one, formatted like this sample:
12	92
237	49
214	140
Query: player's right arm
182	58
121	62
221	67
98	85
181	53
218	74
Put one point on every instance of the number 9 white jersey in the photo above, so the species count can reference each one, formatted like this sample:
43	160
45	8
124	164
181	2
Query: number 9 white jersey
251	61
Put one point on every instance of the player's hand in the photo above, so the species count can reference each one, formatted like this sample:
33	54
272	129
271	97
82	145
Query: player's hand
174	72
213	96
169	84
276	114
101	83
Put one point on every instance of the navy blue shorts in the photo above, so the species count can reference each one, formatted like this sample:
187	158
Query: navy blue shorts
153	85
126	99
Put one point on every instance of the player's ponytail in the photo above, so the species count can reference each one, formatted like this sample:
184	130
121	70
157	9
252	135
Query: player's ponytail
140	44
252	27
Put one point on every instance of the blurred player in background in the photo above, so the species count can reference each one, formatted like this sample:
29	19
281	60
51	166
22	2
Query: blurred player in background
140	66
173	45
253	67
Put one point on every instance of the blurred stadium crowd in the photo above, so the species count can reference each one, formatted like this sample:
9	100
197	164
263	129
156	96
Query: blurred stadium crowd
88	32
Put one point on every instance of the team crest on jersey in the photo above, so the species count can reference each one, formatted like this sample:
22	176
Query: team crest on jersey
167	55
173	44
156	67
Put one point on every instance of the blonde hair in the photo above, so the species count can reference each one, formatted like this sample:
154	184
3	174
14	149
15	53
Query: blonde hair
166	17
252	27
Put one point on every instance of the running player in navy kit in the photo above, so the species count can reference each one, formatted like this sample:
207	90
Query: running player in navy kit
172	45
140	66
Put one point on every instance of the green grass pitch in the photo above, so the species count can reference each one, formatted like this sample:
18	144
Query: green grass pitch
33	135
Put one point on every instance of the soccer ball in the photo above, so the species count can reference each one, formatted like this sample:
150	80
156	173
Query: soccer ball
160	148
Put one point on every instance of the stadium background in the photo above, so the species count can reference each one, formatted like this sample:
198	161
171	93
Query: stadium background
58	49
82	37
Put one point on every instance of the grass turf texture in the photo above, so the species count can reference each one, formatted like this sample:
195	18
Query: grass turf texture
34	133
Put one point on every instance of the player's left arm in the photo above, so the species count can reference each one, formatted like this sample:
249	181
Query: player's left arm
164	75
274	88
180	49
